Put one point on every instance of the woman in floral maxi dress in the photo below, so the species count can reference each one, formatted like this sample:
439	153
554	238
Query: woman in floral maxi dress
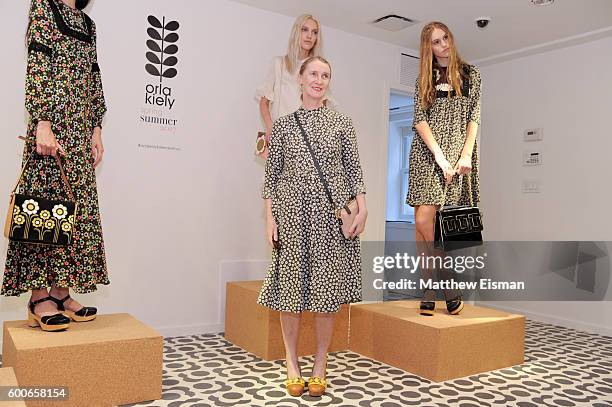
66	105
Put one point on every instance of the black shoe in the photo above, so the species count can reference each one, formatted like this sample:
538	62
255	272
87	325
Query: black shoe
55	322
454	306
83	315
427	308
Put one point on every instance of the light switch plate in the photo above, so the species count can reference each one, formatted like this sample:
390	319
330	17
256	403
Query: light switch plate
531	186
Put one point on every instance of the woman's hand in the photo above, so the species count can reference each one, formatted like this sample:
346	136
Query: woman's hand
46	143
97	150
358	225
266	151
447	169
271	230
464	165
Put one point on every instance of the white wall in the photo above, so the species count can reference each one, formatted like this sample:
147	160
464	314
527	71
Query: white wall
567	92
178	224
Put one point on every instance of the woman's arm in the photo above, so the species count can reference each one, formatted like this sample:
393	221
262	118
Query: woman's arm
97	148
271	226
274	168
354	173
98	103
464	165
424	131
39	78
358	225
422	128
351	161
39	87
264	109
264	95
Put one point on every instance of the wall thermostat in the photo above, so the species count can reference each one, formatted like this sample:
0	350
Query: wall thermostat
533	134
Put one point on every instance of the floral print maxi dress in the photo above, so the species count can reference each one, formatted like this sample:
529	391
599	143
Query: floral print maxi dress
63	86
316	269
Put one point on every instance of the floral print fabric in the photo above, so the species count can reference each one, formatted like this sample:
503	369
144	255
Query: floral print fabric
63	86
448	119
316	269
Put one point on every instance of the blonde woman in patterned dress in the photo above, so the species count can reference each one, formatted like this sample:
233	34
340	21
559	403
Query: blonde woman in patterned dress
446	118
315	268
66	104
279	93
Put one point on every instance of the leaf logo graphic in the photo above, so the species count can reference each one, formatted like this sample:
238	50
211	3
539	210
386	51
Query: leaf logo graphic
162	48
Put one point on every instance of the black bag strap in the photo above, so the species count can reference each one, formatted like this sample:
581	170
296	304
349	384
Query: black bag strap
314	159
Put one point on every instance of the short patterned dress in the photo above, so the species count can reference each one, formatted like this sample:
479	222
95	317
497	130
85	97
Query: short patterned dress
316	269
448	118
63	86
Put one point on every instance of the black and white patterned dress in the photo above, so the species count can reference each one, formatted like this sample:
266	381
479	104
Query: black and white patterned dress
448	118
316	269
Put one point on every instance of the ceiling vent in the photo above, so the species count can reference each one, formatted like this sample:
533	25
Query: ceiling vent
393	22
542	2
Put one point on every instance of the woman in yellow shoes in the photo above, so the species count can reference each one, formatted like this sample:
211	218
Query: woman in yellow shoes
313	160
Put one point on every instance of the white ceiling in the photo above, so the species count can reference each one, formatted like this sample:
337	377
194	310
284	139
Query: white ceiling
515	24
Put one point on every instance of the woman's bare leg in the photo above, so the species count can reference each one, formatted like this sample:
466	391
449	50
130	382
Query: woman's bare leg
324	325
46	307
424	216
290	325
61	293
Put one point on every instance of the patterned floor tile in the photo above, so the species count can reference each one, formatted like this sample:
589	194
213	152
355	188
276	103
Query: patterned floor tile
563	367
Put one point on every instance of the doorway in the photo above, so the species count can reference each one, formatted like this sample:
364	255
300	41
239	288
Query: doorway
400	136
399	221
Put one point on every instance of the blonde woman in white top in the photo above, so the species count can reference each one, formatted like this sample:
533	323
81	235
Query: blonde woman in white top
280	92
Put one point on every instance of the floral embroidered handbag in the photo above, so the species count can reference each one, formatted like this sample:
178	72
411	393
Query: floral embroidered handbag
33	219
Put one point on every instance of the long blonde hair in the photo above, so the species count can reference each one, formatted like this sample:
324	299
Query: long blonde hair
454	71
293	50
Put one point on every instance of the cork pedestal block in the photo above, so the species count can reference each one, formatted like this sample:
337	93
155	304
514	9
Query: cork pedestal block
440	347
8	378
112	360
257	329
